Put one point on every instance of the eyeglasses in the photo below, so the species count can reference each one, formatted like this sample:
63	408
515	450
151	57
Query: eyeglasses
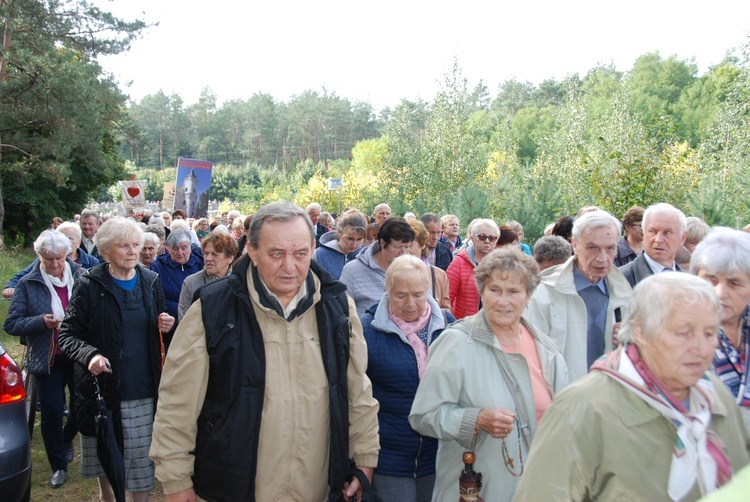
485	237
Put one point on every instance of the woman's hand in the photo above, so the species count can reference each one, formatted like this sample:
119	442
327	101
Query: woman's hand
50	322
497	422
99	364
165	322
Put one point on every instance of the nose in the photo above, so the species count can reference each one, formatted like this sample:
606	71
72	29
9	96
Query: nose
287	263
721	289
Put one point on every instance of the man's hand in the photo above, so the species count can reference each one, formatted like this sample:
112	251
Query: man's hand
8	292
354	489
183	496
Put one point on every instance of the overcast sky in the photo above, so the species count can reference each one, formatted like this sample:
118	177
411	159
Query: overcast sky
385	51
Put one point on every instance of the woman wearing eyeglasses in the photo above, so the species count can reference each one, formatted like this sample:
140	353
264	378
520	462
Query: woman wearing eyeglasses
463	290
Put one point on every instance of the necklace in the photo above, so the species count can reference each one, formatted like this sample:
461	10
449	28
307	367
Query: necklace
514	345
507	459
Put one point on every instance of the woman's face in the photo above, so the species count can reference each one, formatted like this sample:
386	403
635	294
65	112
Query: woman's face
53	264
504	299
124	255
350	241
734	294
180	253
393	250
408	298
216	263
682	351
148	253
416	249
167	219
483	247
71	234
635	231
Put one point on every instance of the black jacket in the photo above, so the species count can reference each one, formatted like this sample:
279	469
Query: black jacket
443	256
94	325
228	428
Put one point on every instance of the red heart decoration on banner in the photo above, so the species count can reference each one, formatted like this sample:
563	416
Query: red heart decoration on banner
133	191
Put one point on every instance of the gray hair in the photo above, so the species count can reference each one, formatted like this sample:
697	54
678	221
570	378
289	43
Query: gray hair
152	238
88	213
594	219
69	225
663	207
428	218
407	268
157	230
654	299
552	248
52	242
233	214
179	224
508	260
156	220
276	211
723	251
179	236
116	231
313	205
483	222
515	226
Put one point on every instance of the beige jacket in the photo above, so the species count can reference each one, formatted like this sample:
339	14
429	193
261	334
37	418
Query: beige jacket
293	449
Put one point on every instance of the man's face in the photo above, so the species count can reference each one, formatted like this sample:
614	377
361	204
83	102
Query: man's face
662	238
451	228
89	226
314	215
283	256
433	228
595	251
382	213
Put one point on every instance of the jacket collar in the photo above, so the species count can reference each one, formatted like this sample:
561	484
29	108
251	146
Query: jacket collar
382	320
560	277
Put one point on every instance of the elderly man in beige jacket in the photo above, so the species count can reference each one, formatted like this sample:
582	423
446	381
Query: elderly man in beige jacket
264	394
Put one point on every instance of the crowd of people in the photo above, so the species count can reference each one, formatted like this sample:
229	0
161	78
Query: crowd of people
296	354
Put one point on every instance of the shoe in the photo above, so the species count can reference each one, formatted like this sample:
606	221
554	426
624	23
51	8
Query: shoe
59	478
70	452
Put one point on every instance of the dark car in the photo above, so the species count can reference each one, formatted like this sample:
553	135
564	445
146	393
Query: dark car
15	445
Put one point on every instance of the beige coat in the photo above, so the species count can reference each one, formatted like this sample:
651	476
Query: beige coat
293	449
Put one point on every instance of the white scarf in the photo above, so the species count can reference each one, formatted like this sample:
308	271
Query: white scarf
693	462
57	310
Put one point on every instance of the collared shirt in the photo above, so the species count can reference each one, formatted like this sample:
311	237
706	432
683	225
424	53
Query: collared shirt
656	267
596	298
293	302
431	256
89	244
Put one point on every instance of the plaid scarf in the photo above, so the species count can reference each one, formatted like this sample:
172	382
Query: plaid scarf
698	453
731	365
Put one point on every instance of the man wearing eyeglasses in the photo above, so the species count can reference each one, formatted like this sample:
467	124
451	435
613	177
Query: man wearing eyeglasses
581	302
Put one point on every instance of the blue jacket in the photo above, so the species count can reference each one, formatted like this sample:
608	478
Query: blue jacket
392	368
443	256
329	255
172	274
30	302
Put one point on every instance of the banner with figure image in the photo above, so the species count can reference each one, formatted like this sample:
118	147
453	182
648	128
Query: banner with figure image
193	184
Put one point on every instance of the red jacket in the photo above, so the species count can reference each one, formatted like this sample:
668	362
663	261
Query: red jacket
463	289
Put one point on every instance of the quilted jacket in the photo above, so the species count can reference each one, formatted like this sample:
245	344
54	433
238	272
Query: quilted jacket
31	301
464	293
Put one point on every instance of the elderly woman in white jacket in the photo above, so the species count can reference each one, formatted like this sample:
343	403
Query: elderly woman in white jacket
490	378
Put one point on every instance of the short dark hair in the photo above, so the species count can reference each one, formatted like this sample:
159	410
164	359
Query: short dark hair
395	229
564	227
507	236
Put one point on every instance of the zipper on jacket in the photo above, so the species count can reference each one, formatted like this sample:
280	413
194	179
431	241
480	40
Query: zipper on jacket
416	459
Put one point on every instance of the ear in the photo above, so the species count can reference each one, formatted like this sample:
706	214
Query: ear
684	238
640	339
252	253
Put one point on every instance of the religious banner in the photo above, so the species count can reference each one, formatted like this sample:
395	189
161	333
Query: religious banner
192	187
133	195
167	201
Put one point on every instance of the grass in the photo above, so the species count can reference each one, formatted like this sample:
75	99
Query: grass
76	488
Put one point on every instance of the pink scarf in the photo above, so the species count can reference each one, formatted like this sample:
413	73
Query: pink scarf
410	329
699	454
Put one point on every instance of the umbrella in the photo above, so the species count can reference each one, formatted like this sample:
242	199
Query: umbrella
470	482
109	445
